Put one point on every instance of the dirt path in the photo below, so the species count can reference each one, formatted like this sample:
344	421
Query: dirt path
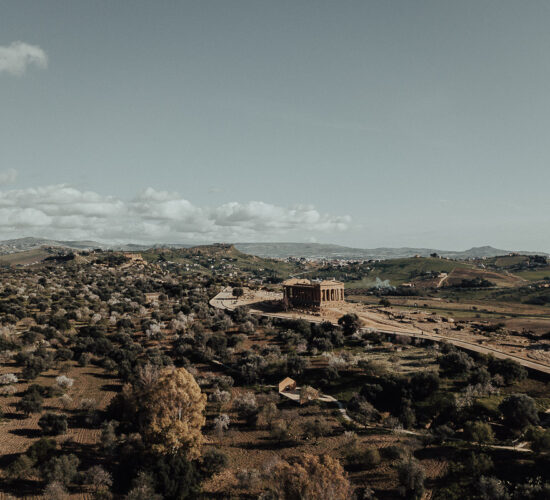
373	321
443	279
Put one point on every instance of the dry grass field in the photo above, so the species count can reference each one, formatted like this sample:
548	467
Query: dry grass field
18	432
500	279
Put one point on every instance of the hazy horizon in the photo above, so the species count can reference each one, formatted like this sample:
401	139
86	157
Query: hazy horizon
364	124
121	243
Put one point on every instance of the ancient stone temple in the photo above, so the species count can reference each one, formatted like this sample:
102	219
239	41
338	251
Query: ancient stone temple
303	292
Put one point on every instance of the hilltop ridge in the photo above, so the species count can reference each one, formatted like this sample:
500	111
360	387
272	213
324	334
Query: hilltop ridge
268	250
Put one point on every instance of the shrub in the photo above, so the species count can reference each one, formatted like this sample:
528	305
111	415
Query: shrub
64	382
316	428
312	477
8	390
55	491
455	364
371	457
88	411
479	432
143	488
519	411
478	464
175	477
41	450
212	462
62	469
21	468
247	478
393	452
99	479
84	359
46	391
367	458
424	384
30	403
411	478
491	488
66	401
350	323
540	440
245	405
511	371
8	378
53	424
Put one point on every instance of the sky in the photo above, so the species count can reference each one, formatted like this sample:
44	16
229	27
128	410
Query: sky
362	123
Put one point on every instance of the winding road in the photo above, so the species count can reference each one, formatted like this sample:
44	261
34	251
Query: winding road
225	300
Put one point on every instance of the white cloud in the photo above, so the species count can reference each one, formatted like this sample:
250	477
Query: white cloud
8	176
64	212
15	58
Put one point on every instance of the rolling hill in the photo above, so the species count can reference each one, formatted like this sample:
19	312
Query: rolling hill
322	251
271	250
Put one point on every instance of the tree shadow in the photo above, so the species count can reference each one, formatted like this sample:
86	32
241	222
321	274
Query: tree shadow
12	415
267	444
88	454
104	376
7	459
22	488
111	387
28	433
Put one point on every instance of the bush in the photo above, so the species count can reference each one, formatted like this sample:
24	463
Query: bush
540	440
143	488
55	491
21	468
247	478
212	462
62	469
491	488
478	464
366	459
30	403
64	382
7	390
424	384
46	391
175	477
41	450
53	424
411	479
8	378
100	481
350	323
84	359
455	364
393	452
511	371
316	428
519	411
479	432
310	477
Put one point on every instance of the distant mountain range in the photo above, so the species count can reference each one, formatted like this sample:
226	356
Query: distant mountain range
322	251
23	244
272	250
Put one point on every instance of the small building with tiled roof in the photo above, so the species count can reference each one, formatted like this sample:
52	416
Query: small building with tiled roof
287	384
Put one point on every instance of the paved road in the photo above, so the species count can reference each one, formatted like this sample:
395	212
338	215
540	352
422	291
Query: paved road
224	300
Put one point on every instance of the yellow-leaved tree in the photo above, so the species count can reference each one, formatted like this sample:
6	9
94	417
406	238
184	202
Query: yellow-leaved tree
172	414
312	477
